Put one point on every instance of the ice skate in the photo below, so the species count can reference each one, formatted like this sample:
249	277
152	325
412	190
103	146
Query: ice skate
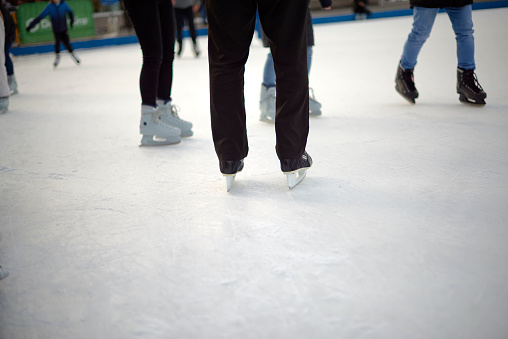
314	105
154	131
168	114
267	104
469	89
404	84
296	169
57	60
13	85
75	58
4	104
229	170
197	51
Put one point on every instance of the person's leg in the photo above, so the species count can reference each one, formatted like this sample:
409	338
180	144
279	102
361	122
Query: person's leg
65	39
462	23
284	23
269	72
230	31
146	22
423	20
189	16
167	27
179	28
9	66
58	40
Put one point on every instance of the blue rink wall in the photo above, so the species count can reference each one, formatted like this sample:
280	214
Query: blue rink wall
49	48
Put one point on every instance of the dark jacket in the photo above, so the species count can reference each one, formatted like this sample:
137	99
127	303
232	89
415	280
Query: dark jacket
439	3
57	14
10	26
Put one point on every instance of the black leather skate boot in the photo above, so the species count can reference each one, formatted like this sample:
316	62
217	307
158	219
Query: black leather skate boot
296	169
404	84
469	88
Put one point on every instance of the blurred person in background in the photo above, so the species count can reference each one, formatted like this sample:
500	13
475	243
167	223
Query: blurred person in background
58	11
184	12
4	83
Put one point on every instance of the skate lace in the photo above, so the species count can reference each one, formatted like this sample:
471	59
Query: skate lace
471	81
174	111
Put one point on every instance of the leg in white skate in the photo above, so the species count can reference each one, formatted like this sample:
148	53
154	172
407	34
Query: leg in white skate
267	104
314	105
57	60
75	58
168	114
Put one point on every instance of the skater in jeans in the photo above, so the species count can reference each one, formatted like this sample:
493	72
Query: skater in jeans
267	100
231	28
184	11
58	11
424	14
153	21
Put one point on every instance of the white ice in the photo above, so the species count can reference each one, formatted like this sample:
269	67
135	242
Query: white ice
398	231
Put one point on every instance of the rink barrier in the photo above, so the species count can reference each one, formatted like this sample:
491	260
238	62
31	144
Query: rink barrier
94	43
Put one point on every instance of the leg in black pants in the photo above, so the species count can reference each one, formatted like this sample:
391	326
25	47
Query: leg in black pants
153	21
231	27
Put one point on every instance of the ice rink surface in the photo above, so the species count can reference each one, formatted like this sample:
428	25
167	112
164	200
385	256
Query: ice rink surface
398	231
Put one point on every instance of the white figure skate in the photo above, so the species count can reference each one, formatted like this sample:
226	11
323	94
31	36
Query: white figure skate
168	114
267	104
155	132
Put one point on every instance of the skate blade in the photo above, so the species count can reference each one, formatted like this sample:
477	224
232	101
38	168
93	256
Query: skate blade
230	178
465	100
296	177
150	140
409	99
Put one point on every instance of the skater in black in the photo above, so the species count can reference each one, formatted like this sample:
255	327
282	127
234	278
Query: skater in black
231	28
153	21
424	14
360	9
184	12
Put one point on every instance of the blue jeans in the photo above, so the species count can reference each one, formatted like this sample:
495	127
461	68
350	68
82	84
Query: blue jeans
423	20
269	71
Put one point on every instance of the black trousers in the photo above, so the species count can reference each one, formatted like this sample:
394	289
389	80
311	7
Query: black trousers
62	37
230	31
185	14
154	23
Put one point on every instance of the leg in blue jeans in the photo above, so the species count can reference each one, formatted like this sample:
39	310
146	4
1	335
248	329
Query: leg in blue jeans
462	23
423	20
269	71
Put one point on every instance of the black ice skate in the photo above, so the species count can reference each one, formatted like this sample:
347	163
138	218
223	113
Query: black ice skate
469	88
404	84
296	169
229	170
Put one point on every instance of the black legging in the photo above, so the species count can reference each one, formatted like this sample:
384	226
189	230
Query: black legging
62	37
188	15
153	21
230	30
